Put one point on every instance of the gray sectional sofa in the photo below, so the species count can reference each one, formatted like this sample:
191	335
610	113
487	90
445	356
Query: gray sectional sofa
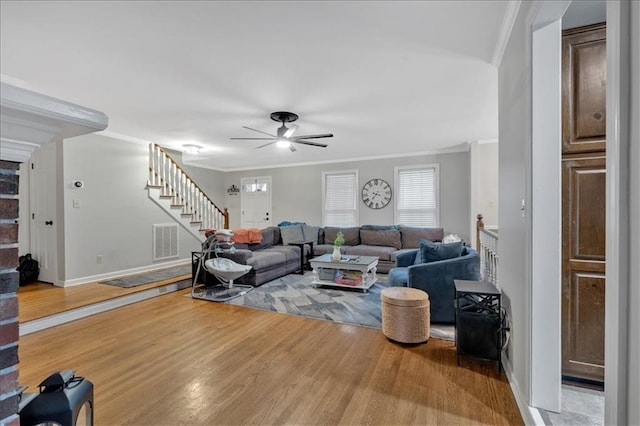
273	257
386	242
270	259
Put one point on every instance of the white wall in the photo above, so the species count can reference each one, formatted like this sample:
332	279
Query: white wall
297	191
546	217
115	215
622	339
487	178
483	186
514	88
633	414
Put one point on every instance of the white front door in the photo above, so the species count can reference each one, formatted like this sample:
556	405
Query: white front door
43	219
255	202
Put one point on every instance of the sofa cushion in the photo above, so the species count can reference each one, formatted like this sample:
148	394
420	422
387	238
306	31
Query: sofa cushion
320	249
411	236
290	252
380	227
310	233
388	238
401	251
277	236
291	234
266	258
267	240
382	252
433	252
351	235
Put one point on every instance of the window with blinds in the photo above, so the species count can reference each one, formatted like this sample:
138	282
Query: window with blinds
417	195
340	205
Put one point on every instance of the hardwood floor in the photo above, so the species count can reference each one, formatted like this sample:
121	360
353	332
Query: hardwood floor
39	300
173	360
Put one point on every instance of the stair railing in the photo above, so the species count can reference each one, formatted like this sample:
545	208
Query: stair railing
184	193
487	246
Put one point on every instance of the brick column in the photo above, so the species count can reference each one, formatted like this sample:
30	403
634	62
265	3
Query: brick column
8	293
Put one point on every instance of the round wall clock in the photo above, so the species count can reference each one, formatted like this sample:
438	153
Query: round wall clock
376	193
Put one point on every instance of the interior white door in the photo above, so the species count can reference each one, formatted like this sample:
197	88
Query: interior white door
43	220
255	202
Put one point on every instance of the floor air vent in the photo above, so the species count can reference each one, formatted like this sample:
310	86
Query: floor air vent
165	241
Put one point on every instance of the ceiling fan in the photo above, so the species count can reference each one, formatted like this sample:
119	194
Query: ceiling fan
284	136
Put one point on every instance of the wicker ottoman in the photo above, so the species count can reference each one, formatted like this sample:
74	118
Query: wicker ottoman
405	314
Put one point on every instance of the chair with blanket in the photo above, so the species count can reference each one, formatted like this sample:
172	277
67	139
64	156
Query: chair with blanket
432	268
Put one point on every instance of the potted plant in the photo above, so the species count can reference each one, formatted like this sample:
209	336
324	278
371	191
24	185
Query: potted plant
337	243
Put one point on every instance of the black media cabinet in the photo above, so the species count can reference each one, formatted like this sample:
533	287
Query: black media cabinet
479	331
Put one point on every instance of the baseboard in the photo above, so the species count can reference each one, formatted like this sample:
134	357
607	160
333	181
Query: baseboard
116	274
85	311
530	415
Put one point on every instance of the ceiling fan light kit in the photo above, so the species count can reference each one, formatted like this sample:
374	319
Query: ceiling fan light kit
284	135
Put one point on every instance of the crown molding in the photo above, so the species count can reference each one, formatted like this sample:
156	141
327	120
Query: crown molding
505	31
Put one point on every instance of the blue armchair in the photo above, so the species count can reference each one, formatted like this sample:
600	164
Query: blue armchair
436	278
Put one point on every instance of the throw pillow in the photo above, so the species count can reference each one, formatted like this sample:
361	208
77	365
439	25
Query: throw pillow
291	234
310	233
386	238
418	260
351	235
411	236
433	252
380	227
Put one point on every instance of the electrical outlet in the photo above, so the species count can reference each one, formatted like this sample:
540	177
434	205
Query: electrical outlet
99	259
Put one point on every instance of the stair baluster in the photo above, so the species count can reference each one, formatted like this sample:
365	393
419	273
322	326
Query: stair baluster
175	184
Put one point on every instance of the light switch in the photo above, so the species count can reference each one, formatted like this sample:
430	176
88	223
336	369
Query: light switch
76	204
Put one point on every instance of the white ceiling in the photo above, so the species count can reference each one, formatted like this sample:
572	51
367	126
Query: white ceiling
386	78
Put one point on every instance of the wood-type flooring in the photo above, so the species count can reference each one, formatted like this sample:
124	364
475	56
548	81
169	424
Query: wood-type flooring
172	360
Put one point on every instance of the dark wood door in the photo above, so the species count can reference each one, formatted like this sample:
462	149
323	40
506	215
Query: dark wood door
583	202
584	77
583	271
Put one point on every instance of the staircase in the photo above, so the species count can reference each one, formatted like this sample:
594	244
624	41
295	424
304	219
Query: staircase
176	193
487	246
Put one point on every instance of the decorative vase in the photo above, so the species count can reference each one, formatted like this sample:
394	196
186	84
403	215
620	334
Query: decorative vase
336	253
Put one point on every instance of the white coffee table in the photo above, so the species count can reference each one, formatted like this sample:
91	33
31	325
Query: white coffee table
328	272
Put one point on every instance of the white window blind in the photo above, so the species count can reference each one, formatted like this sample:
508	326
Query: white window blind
417	196
340	203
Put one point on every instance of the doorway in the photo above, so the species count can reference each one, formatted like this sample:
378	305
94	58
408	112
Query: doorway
255	202
546	216
43	221
584	74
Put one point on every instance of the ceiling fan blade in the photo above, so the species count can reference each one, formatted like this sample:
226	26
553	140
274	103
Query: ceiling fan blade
259	131
322	145
266	144
324	135
290	131
251	139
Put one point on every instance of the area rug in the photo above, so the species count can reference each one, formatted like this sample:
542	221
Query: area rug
295	295
149	277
